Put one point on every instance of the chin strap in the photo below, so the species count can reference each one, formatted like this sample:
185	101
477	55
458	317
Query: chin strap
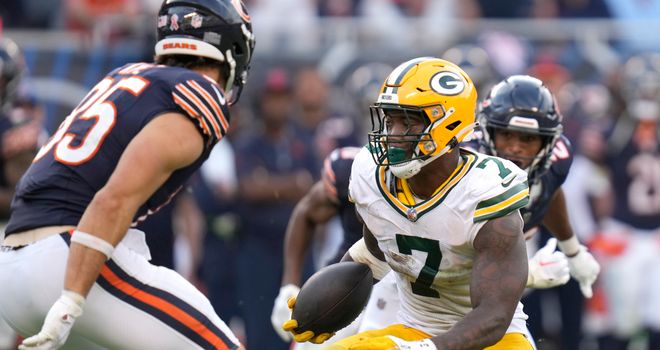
232	71
411	168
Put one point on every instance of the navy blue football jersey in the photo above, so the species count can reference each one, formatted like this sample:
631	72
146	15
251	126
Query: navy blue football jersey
336	176
633	158
540	192
80	157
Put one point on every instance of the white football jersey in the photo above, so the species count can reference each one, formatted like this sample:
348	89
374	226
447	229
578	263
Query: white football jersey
430	244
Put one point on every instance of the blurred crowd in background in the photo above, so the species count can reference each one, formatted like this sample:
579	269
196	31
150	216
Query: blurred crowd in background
317	67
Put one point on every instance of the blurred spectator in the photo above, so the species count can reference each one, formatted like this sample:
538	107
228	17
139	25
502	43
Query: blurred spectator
322	126
399	23
631	275
104	20
583	8
504	8
275	23
30	13
215	191
338	8
274	170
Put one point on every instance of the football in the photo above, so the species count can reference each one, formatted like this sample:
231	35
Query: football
333	297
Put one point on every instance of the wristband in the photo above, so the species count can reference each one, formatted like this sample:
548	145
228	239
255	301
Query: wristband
570	247
93	242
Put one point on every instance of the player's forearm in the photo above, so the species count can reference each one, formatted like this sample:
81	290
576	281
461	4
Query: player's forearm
296	245
556	218
108	219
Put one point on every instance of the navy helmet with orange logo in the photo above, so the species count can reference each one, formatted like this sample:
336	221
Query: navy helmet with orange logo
217	29
522	103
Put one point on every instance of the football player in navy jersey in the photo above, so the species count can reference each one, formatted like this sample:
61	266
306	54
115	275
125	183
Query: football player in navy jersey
70	253
520	122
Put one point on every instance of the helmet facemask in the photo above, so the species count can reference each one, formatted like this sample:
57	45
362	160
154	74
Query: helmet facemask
540	162
435	97
405	154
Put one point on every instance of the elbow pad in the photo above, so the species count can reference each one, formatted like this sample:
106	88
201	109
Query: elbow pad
360	253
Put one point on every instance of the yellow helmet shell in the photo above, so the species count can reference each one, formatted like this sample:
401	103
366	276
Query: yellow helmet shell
440	89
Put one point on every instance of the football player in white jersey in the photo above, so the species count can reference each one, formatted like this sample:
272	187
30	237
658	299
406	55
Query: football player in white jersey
444	219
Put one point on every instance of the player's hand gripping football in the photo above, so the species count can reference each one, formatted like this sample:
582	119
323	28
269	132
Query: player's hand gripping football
58	323
304	336
281	311
548	267
393	343
584	268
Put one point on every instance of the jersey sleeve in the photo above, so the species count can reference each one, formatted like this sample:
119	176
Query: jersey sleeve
503	190
562	158
336	173
361	169
203	102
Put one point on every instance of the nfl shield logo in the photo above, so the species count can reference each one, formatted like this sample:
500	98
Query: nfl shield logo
174	22
412	214
162	21
196	21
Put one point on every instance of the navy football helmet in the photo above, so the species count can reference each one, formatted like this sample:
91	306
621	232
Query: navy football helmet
12	68
522	103
216	29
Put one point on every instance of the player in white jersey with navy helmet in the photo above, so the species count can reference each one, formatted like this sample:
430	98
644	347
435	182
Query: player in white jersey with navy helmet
444	219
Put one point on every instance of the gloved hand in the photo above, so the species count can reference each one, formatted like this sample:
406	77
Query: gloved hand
281	312
309	336
58	323
584	268
548	267
393	343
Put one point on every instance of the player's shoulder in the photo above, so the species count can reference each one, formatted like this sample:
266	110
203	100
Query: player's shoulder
168	76
562	156
336	172
363	164
493	186
342	156
363	171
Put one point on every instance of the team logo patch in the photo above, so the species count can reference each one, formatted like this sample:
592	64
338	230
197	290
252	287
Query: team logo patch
412	214
447	83
174	22
162	21
196	21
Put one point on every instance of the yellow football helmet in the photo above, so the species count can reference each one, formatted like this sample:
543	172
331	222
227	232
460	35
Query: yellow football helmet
445	97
